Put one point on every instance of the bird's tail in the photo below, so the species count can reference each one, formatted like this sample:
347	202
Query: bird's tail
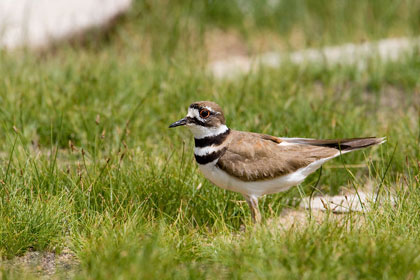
345	145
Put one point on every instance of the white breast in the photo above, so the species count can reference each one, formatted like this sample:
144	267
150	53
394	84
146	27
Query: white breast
258	188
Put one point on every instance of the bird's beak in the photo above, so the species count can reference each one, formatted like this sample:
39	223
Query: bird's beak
179	123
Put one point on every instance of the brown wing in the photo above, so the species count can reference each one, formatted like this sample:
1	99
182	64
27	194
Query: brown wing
252	156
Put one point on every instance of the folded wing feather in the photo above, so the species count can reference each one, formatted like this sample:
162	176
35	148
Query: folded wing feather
255	157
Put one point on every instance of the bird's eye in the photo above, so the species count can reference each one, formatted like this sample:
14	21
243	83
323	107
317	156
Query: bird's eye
204	113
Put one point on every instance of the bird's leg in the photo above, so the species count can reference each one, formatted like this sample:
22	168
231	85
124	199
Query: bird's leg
257	214
253	205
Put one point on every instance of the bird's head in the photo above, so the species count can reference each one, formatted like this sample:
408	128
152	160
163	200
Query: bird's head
204	118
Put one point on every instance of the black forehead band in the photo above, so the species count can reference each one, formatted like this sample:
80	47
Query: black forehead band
195	106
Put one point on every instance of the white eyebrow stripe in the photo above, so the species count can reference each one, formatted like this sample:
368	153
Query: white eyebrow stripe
210	109
193	113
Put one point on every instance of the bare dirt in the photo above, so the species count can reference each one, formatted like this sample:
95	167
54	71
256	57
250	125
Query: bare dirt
45	265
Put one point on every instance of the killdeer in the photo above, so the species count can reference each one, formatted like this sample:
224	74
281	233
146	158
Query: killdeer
256	164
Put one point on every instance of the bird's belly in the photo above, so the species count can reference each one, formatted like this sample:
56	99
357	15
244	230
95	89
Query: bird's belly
256	188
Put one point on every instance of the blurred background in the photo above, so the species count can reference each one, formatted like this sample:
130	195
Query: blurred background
223	28
91	176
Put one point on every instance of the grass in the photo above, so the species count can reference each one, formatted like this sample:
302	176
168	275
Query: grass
87	161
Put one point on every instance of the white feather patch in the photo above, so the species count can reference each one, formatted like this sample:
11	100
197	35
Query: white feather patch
193	113
258	188
206	150
202	131
284	143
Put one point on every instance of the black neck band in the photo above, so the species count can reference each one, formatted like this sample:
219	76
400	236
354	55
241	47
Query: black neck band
209	157
212	140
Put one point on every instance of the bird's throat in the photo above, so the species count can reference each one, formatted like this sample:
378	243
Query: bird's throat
210	148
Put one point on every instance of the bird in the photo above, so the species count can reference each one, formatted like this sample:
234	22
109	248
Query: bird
255	164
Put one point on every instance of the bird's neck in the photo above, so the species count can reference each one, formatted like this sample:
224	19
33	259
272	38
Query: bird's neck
210	148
